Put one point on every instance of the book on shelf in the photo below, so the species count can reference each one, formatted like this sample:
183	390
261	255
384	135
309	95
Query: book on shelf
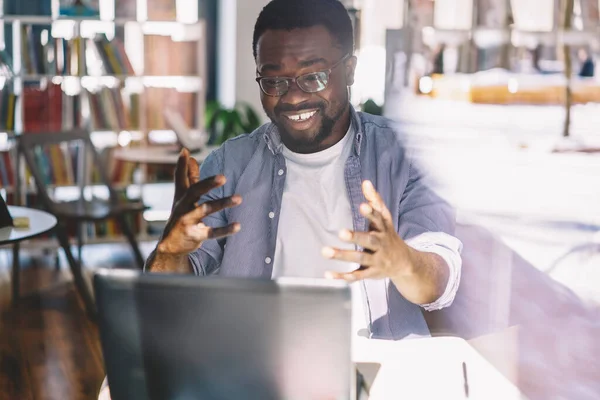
7	172
8	102
42	108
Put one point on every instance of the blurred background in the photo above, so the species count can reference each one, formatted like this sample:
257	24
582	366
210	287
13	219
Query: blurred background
499	99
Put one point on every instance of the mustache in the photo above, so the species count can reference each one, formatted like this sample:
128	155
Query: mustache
280	108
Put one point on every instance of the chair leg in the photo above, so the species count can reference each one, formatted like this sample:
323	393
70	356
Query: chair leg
75	265
57	261
128	232
79	242
16	271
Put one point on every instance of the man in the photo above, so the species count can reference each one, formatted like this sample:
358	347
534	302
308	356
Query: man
587	64
325	189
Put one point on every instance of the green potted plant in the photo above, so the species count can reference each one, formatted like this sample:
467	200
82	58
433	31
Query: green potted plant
224	123
371	107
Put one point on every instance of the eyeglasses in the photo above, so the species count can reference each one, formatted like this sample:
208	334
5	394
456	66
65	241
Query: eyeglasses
310	83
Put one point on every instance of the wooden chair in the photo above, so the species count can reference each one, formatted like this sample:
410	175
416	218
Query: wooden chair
80	210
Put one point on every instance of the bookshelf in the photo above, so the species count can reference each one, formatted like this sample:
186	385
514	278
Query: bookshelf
112	74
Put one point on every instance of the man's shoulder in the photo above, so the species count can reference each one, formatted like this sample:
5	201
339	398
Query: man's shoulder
376	122
244	145
384	132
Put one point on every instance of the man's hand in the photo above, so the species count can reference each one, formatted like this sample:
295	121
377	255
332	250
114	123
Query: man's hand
419	276
184	231
385	254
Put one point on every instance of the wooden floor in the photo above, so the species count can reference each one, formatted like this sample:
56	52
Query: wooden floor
49	348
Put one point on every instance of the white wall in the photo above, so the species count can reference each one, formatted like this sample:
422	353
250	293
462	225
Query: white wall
247	90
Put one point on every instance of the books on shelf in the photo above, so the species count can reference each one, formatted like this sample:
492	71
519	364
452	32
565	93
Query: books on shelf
46	55
107	110
112	55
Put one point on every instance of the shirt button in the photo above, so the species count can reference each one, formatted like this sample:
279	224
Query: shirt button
280	172
268	260
271	215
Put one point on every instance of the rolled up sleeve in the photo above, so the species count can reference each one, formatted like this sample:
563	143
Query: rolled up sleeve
449	248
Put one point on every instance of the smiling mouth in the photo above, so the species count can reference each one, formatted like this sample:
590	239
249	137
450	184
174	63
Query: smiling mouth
301	117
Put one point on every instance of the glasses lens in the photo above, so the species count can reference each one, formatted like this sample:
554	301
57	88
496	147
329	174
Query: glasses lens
314	82
274	86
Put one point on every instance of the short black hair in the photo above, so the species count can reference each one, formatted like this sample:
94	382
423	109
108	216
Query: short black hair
293	14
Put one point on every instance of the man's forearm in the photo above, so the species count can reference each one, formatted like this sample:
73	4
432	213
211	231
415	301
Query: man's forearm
163	263
426	278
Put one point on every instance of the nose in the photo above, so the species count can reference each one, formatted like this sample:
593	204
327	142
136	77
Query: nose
295	95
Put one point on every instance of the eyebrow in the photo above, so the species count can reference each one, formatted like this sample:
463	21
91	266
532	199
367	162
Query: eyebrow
301	64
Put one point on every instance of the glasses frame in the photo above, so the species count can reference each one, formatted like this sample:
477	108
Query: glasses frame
294	80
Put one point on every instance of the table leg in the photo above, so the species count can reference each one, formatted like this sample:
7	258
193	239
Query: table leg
16	269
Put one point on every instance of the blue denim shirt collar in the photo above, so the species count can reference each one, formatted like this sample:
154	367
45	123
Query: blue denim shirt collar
275	145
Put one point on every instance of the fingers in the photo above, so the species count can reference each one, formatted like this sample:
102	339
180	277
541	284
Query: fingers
352	256
211	207
181	174
375	217
193	170
199	232
202	187
375	199
217	233
366	240
358	275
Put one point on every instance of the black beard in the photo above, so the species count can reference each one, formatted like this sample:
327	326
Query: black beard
306	145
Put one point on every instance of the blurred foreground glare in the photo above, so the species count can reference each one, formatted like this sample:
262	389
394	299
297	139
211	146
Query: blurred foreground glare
529	220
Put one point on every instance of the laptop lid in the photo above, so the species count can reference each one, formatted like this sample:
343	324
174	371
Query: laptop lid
186	337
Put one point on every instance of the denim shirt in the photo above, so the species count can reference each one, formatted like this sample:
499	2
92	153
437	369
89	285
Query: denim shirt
255	169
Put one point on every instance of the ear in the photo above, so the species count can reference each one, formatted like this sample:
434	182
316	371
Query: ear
350	69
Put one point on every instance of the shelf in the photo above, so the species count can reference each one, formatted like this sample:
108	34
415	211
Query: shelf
42	19
182	83
119	77
488	37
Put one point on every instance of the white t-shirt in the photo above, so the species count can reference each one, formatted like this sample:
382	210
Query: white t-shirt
315	207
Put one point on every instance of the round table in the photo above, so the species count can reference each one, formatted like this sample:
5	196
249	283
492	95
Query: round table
40	222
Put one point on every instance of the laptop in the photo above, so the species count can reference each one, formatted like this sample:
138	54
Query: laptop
185	137
186	337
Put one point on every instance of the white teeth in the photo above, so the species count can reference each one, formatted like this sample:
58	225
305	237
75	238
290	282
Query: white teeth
302	117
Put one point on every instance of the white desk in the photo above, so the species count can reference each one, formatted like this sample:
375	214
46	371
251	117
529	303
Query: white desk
431	369
40	222
157	154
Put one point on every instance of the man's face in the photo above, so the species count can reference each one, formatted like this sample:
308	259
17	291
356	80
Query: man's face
307	122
